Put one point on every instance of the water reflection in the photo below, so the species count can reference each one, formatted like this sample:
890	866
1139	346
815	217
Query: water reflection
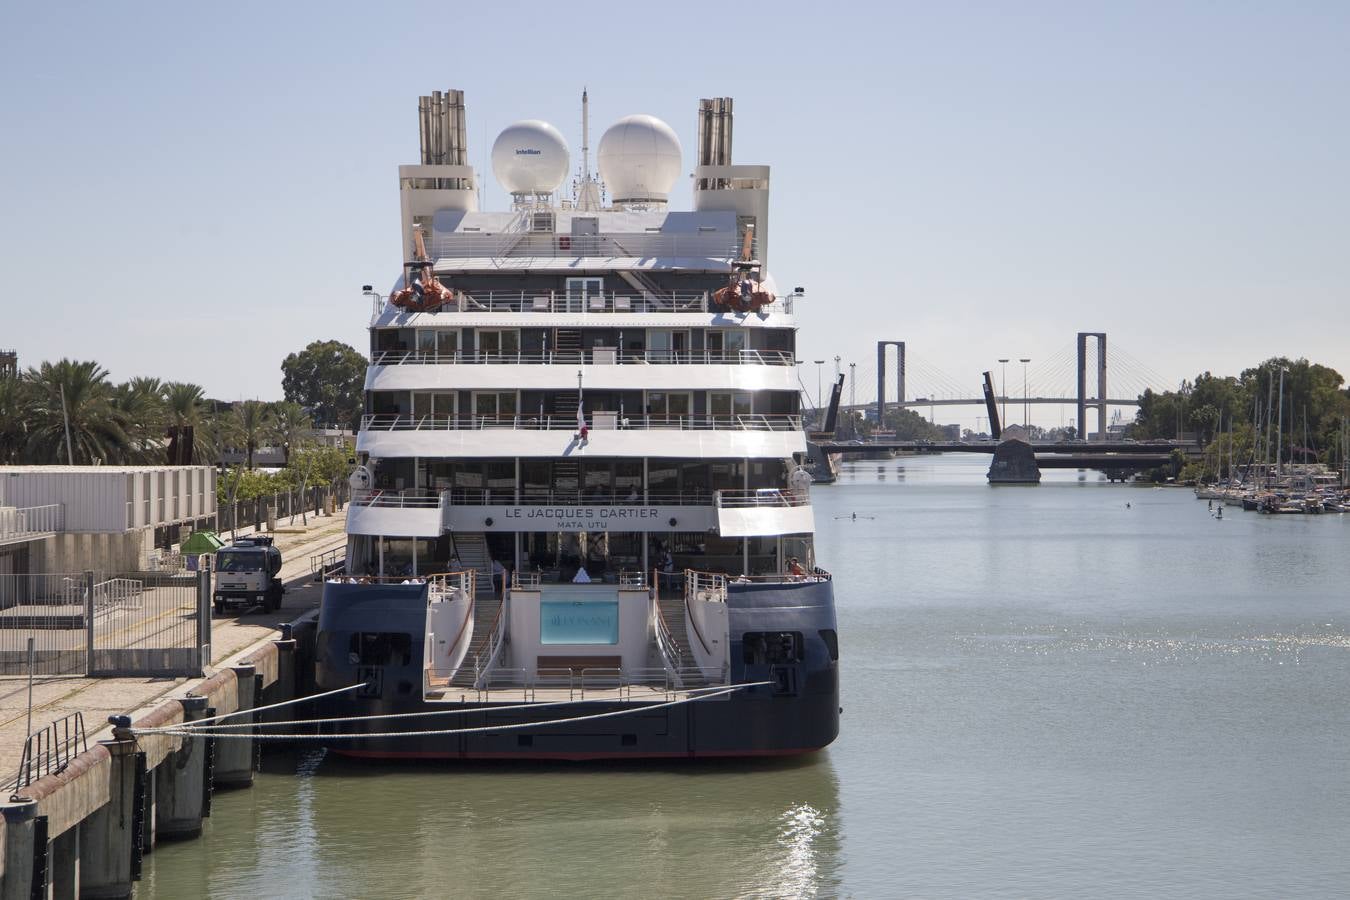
333	828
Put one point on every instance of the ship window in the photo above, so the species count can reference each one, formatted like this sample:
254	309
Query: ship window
494	403
729	342
441	404
583	288
437	341
760	648
380	648
665	403
498	343
729	403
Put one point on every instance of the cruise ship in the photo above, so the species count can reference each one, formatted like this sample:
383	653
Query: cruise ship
581	526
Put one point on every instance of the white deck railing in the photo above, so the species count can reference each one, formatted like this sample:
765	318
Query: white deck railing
598	356
760	497
754	422
603	303
549	244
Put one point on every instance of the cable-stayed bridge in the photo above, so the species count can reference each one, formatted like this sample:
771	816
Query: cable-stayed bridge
1083	374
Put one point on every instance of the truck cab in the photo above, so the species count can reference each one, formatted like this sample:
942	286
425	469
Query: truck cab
247	572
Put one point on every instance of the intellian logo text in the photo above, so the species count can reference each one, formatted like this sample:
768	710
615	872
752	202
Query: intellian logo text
528	151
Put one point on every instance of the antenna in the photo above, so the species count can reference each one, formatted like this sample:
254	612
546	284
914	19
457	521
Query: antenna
585	135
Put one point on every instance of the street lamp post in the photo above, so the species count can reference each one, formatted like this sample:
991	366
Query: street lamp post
1004	391
1026	400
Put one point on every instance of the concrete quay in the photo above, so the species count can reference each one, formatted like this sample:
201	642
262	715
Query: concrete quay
82	832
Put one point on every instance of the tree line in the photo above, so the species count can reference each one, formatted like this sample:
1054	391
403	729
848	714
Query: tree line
1241	417
72	412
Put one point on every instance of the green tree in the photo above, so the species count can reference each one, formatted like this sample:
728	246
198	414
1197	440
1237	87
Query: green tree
97	425
251	425
292	426
13	419
185	406
327	378
141	403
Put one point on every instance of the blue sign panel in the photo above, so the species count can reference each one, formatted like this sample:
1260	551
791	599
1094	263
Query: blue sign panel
579	621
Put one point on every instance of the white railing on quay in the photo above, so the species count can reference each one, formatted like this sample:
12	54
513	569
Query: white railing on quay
597	356
25	521
564	422
118	593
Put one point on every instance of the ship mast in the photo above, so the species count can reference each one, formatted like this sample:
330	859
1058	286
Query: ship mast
588	187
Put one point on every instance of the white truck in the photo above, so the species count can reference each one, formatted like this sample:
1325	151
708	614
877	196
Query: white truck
247	573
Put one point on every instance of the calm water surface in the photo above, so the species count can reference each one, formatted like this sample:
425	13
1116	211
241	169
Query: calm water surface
1047	693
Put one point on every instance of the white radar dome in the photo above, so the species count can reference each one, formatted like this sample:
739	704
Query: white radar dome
639	159
530	157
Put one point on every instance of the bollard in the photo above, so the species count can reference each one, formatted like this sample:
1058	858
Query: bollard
180	786
234	756
16	881
107	839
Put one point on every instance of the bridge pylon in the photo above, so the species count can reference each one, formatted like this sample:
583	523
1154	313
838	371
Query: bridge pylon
1083	401
881	376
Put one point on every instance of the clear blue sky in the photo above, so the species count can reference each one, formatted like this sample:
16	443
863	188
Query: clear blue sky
193	191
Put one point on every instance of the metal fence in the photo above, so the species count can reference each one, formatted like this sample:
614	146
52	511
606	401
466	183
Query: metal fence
137	623
283	505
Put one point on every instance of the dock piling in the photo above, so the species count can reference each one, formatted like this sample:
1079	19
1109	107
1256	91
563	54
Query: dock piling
106	840
234	757
180	785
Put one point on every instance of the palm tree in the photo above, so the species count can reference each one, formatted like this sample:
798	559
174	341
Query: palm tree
251	424
141	402
185	406
13	418
97	426
292	426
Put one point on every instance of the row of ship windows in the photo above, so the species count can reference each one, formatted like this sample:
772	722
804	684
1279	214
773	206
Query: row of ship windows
509	341
652	403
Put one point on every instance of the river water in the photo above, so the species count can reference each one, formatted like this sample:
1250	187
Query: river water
1077	689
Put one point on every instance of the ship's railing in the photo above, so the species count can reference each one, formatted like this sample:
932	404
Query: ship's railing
705	585
443	584
491	497
628	580
600	302
526	580
564	422
552	684
597	356
397	499
760	497
549	244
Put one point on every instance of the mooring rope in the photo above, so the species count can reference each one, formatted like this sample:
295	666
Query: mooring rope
461	711
485	729
164	729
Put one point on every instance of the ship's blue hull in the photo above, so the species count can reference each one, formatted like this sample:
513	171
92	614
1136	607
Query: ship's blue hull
797	713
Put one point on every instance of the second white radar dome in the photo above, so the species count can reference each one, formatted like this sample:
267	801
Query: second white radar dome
530	157
639	159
